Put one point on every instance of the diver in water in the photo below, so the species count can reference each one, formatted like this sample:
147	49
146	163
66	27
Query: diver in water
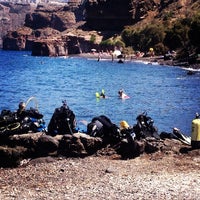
102	95
122	94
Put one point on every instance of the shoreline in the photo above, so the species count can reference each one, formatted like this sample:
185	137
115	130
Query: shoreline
146	60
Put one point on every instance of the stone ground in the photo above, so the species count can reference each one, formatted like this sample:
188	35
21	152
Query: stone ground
157	176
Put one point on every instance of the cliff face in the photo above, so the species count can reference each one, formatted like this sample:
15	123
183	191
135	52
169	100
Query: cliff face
56	17
115	14
51	31
12	16
108	15
46	24
47	27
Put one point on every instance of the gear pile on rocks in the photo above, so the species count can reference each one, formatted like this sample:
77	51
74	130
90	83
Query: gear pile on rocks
23	135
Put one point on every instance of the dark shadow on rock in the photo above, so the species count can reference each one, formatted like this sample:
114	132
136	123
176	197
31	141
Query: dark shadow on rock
185	150
11	157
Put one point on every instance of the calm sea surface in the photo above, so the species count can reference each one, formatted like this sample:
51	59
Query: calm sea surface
168	94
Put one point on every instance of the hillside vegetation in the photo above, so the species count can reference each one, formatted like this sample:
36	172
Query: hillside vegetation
163	26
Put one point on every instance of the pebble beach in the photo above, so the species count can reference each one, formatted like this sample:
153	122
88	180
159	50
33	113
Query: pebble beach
96	177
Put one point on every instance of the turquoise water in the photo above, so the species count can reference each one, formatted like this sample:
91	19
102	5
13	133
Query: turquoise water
168	94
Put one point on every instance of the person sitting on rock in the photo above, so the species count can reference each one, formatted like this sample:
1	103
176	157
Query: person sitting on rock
21	111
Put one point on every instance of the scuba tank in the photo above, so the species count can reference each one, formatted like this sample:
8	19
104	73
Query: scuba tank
195	137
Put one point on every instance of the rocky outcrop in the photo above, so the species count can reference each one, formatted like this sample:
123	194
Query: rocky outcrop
12	16
46	24
49	47
33	145
15	148
57	17
18	40
141	9
67	44
51	42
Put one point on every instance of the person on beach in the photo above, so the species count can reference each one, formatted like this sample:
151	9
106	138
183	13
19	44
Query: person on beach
21	111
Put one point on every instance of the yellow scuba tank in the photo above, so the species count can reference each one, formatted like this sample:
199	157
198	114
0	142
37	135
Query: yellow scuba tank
195	137
124	125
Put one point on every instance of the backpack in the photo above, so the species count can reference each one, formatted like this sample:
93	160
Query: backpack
7	117
102	126
12	123
144	127
62	122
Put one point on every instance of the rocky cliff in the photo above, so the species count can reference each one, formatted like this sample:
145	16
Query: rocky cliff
52	31
108	15
115	14
12	16
60	30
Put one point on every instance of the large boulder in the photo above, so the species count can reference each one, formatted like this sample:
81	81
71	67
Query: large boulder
46	145
11	156
79	145
28	140
151	145
50	47
34	145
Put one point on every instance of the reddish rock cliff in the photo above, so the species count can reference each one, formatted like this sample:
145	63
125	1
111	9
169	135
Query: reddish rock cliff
56	29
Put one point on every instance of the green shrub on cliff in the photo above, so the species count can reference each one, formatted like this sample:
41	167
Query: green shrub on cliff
143	39
194	32
181	34
93	38
113	42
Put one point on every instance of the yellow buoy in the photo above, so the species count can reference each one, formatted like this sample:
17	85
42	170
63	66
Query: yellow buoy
195	137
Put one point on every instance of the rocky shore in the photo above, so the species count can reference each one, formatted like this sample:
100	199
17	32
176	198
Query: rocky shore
164	169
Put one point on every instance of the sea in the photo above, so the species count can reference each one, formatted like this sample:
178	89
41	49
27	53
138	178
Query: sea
167	94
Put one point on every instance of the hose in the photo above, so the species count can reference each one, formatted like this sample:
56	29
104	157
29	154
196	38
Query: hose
30	99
